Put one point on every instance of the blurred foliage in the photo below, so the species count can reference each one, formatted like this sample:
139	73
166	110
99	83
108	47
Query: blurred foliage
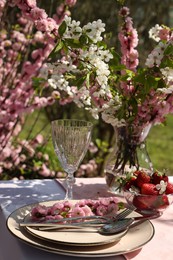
160	146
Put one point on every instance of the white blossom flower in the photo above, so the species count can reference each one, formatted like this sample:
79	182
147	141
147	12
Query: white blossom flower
168	90
161	187
105	55
167	73
94	30
154	32
156	56
52	83
95	113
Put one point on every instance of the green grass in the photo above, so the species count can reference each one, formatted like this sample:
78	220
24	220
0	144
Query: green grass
38	123
159	141
160	146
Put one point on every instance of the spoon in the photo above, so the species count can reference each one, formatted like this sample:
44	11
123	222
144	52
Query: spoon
116	227
124	224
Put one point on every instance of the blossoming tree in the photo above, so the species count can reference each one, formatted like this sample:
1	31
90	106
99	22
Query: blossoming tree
26	39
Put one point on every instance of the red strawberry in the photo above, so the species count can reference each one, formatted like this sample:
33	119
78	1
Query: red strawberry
138	202
143	202
169	188
130	183
136	173
149	189
150	202
142	178
165	202
158	177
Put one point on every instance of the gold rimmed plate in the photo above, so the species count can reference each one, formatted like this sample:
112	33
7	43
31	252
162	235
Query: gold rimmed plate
134	239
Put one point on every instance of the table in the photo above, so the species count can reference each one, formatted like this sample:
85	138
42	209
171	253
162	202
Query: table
15	194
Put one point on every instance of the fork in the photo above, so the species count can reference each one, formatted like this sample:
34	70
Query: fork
51	225
124	213
110	228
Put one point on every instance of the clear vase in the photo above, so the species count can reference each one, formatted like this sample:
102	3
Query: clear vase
129	153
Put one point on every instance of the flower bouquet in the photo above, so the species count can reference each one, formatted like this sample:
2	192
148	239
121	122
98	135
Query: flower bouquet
85	70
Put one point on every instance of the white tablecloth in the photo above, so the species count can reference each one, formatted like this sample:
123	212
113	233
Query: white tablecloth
15	194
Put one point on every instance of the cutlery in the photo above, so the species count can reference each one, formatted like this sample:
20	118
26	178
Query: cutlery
124	224
103	219
106	229
77	224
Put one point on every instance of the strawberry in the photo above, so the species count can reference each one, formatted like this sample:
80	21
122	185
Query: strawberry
164	203
138	202
150	202
149	189
142	178
136	173
130	183
169	188
158	177
143	202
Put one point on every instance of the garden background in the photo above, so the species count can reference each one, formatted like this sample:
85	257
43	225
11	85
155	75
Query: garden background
160	140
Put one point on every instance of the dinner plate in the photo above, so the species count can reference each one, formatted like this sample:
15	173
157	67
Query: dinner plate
134	239
87	237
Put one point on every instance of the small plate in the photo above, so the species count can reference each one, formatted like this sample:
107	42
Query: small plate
134	239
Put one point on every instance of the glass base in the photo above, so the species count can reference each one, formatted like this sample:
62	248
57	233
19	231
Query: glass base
112	183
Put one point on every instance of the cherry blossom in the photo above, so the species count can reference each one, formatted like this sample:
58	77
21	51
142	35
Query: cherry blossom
59	210
18	96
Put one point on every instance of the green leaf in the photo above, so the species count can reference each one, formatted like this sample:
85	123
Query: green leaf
133	102
98	142
113	77
157	79
73	43
102	44
88	80
129	73
121	2
62	28
80	81
149	83
121	205
83	39
167	63
65	48
120	67
102	145
57	48
36	82
169	50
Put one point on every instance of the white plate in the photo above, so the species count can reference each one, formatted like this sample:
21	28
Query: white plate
76	238
134	239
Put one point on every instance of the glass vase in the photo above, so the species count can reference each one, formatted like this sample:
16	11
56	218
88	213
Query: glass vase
128	153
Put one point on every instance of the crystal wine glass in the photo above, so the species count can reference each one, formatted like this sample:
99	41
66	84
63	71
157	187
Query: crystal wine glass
71	139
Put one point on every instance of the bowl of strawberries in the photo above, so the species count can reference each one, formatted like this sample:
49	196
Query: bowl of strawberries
149	193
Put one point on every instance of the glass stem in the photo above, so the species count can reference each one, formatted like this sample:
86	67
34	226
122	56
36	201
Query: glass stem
70	180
